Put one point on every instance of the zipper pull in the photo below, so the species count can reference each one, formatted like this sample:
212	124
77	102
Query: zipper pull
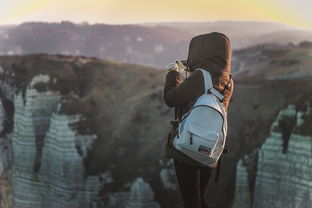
191	139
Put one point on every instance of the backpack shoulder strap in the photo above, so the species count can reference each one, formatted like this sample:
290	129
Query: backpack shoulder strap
207	79
209	85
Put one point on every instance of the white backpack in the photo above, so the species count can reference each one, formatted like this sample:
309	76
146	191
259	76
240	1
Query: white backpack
202	130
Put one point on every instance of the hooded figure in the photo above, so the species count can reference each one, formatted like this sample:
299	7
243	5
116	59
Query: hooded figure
211	52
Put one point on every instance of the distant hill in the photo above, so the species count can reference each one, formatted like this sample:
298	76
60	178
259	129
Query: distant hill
284	37
6	27
232	28
147	44
245	33
154	46
274	61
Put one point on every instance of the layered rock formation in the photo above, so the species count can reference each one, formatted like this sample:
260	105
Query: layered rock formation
242	192
284	164
5	144
5	181
141	195
268	83
42	136
52	161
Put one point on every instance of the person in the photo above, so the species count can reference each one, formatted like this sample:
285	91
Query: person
211	52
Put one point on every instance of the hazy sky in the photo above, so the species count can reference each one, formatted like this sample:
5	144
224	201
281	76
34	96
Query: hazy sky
294	12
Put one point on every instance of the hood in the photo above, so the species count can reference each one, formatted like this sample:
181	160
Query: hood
212	52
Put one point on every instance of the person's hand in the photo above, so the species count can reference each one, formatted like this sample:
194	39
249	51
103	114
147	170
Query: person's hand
171	67
178	66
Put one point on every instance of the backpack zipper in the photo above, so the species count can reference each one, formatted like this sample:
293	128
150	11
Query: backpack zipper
191	139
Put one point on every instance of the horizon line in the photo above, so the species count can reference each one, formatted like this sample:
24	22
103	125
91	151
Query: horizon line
154	22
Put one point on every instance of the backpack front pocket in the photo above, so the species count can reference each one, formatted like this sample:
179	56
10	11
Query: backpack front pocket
198	139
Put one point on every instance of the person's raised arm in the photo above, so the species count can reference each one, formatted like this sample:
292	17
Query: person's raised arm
178	92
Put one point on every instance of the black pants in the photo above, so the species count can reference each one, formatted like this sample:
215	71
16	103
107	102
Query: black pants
192	184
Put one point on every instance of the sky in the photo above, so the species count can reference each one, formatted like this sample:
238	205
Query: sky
293	12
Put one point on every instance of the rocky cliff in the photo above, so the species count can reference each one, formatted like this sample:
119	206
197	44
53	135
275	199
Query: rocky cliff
277	171
53	156
283	165
83	132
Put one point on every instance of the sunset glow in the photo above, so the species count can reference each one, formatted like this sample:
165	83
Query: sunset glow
136	11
